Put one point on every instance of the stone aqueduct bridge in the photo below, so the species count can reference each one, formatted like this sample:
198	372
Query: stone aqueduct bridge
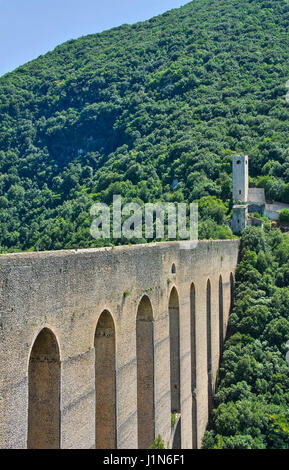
98	347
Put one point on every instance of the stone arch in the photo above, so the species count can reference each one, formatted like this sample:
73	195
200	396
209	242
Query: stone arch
105	382
174	325
145	373
209	345
44	392
221	314
193	362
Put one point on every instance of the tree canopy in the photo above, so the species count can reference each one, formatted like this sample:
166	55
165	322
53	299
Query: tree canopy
131	110
252	401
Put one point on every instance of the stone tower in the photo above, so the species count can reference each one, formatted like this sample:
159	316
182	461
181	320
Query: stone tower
240	178
239	219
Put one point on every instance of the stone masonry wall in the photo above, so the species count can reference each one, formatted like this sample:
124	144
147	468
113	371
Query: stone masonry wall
67	291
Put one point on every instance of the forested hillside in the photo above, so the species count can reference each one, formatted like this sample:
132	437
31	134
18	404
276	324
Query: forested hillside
131	110
252	399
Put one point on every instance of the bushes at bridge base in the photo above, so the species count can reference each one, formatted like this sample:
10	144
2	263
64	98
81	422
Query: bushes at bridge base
252	399
284	216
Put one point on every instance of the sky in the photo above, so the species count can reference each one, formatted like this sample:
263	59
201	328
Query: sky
29	28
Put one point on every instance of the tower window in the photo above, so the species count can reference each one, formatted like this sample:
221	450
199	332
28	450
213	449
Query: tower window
240	192
238	162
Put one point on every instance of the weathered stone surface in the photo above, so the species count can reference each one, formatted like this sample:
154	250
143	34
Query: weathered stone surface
67	291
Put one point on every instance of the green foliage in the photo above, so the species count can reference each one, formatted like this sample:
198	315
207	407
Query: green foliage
213	208
284	216
275	188
254	239
130	110
173	419
252	398
279	430
158	443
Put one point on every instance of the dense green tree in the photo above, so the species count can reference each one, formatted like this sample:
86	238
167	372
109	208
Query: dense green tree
252	398
284	216
136	108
